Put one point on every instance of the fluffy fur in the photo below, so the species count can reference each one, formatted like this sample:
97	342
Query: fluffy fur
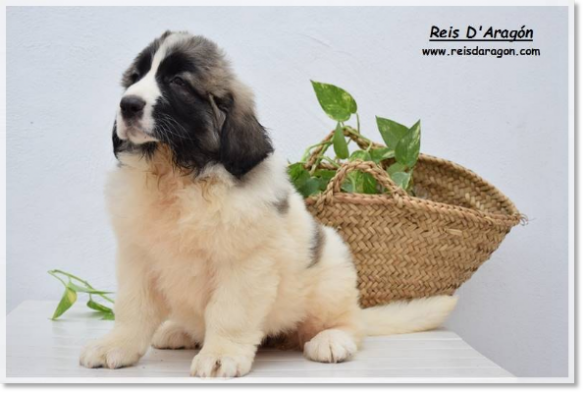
215	247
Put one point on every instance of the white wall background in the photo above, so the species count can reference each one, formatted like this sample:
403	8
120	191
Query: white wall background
503	118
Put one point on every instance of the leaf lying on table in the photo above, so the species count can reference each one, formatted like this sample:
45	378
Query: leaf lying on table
82	286
67	301
105	312
108	316
98	307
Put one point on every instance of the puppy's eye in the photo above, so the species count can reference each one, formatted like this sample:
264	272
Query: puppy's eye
134	77
178	81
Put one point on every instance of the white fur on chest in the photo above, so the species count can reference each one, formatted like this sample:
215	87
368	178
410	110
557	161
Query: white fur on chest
175	217
198	235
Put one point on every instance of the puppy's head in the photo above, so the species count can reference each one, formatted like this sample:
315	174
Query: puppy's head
181	92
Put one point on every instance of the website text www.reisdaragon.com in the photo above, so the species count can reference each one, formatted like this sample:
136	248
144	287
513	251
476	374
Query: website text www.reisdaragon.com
477	51
481	33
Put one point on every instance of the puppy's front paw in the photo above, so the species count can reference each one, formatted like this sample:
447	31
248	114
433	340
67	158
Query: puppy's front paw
107	353
207	364
330	346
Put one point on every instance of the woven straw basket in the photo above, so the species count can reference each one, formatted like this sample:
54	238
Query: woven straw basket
406	247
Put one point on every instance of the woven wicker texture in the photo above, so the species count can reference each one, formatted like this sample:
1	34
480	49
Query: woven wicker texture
407	247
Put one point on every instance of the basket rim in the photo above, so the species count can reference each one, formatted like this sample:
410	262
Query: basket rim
511	219
494	191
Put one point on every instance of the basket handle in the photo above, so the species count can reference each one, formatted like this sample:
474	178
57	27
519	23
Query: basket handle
363	144
368	167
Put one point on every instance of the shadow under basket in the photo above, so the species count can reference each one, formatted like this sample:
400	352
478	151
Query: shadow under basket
408	247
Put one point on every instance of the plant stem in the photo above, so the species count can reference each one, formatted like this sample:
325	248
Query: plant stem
358	123
320	157
308	151
326	145
333	162
353	131
55	276
53	272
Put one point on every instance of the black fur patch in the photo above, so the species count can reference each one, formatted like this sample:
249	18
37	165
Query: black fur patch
244	143
191	77
142	63
282	205
184	119
317	245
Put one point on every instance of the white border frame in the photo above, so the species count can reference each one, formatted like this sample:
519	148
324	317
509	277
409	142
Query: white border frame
186	380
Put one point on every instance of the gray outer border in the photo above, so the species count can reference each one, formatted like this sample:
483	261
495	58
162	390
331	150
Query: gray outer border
579	51
64	388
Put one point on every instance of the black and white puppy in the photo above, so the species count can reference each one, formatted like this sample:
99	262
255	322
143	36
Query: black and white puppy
215	247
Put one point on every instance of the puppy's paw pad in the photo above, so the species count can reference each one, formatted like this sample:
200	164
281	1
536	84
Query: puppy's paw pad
106	355
206	365
330	346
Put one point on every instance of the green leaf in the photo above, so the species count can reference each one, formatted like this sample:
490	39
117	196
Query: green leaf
408	148
336	102
339	143
322	184
409	187
396	167
368	184
310	187
360	155
326	174
302	180
108	316
324	177
391	131
83	289
401	179
298	175
96	306
295	170
349	183
359	182
379	154
68	299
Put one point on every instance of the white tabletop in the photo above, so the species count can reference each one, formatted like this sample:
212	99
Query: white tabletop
40	348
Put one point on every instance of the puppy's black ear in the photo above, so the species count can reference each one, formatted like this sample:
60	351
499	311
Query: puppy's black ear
244	142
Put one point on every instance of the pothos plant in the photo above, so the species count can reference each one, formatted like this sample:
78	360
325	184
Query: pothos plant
398	156
75	285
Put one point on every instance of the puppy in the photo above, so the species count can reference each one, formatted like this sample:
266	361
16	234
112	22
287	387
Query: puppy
215	246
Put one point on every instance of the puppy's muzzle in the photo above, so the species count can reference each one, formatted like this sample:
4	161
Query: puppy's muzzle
132	107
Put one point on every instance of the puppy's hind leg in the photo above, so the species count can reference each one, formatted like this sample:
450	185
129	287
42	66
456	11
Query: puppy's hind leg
172	335
331	346
332	331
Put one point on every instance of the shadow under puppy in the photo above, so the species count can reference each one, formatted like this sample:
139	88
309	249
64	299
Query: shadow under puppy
215	246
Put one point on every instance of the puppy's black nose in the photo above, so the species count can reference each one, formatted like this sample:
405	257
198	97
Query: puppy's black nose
131	106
